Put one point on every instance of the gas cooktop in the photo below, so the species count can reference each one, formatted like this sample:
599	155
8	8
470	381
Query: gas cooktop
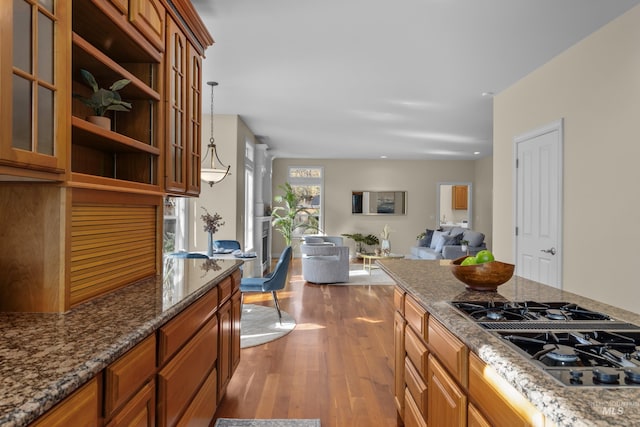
575	345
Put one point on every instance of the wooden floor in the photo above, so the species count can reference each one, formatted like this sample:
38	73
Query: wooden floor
337	364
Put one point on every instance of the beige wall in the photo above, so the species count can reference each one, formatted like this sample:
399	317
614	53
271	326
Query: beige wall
226	197
595	87
418	178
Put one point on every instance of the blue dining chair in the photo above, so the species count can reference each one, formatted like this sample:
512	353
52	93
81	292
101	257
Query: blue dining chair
272	282
183	254
226	244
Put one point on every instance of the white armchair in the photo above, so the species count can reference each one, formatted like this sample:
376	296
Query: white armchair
324	263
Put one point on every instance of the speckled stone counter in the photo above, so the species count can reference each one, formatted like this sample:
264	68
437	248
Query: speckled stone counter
433	285
45	357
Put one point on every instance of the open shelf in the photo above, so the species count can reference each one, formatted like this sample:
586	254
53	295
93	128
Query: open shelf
85	133
106	71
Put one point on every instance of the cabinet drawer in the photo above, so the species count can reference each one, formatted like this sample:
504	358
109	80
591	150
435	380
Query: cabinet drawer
412	415
416	385
416	316
140	411
416	351
498	400
202	409
179	381
224	289
398	299
451	352
126	375
80	409
177	331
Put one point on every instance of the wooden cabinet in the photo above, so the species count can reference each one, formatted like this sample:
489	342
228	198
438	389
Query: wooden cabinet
451	352
140	410
80	409
459	197
497	400
224	362
475	418
184	82
35	109
399	362
180	381
447	402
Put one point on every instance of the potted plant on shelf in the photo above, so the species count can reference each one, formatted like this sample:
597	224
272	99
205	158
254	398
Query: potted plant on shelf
292	216
464	245
103	100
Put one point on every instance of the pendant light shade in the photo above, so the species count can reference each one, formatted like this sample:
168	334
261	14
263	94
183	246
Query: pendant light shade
209	172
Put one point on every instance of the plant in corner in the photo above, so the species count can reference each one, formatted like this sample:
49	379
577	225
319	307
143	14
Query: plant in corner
103	100
292	216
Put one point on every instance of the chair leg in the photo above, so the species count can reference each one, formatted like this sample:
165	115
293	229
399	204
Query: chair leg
277	304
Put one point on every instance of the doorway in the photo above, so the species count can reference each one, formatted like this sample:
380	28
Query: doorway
538	212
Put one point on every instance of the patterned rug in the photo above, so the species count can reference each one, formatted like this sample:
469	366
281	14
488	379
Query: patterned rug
259	324
232	422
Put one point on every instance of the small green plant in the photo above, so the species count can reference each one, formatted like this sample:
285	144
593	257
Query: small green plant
361	239
103	100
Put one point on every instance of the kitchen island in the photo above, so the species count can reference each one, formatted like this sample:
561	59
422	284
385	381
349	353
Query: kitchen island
432	285
46	357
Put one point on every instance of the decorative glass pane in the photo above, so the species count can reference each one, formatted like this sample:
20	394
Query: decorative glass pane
22	119
45	48
22	35
45	121
47	4
305	172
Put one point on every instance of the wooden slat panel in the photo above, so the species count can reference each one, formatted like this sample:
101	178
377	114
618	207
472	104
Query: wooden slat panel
111	246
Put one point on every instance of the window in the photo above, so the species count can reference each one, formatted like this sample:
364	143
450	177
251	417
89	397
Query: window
308	183
175	225
249	185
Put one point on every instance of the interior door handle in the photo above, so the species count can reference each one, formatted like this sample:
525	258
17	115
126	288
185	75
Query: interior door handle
551	251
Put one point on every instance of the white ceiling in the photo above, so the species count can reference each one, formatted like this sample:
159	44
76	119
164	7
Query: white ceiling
370	78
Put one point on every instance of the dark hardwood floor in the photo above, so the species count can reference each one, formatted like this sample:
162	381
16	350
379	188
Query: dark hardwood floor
336	365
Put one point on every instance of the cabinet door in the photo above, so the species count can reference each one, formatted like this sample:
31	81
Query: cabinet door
224	346
475	418
176	72
447	404
194	122
79	410
236	312
148	17
140	411
34	70
398	342
460	198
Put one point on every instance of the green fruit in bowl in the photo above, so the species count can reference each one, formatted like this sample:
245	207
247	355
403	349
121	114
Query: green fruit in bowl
484	256
470	260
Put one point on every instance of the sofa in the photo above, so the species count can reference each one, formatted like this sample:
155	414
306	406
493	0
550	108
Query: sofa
446	244
325	259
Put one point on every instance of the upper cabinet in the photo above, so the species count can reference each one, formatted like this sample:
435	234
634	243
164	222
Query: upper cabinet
34	113
184	111
459	197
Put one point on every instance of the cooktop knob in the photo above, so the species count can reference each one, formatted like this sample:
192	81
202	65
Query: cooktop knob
606	375
632	374
576	376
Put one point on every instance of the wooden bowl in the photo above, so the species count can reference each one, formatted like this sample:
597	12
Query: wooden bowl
482	277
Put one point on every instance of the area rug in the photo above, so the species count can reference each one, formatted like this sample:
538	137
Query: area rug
233	422
259	324
358	276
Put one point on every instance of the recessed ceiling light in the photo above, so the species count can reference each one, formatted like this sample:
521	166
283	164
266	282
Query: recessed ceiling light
487	94
476	152
383	157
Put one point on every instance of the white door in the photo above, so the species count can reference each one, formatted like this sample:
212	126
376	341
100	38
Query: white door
539	205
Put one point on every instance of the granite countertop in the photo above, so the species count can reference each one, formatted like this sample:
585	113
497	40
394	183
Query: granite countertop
45	357
433	285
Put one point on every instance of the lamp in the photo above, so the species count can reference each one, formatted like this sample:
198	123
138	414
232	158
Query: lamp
211	174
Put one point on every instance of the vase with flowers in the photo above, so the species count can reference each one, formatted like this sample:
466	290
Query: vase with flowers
211	225
385	244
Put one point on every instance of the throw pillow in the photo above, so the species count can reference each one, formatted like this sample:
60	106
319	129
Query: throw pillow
474	238
436	235
426	240
455	240
442	241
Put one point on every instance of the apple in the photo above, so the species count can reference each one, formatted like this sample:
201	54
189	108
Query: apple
484	256
470	260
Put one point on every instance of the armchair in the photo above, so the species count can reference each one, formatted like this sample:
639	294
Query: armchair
325	263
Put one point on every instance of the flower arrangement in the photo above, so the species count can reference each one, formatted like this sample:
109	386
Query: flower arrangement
386	232
211	222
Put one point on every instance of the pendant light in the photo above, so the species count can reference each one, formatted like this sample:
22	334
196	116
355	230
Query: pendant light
209	172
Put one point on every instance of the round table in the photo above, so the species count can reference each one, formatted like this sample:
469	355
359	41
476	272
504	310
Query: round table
367	259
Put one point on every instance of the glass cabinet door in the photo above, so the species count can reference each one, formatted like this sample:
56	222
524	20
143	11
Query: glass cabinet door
34	116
